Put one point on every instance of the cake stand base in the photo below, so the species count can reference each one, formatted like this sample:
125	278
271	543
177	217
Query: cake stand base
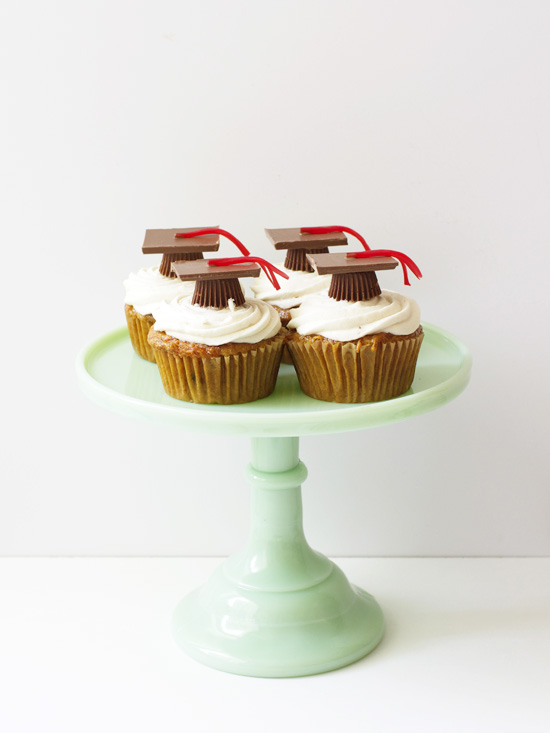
278	635
278	608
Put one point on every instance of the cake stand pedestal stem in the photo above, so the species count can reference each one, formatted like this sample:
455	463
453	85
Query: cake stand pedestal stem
277	608
277	556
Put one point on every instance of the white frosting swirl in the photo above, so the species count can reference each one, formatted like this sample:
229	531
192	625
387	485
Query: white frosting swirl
147	289
244	324
292	291
343	320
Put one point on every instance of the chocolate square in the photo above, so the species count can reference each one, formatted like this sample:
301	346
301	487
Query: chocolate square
164	241
201	270
294	239
341	264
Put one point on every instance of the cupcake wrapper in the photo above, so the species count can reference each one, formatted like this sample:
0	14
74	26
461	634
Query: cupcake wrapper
343	372
138	328
286	358
222	380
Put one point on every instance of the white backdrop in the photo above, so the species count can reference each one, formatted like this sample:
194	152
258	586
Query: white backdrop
423	125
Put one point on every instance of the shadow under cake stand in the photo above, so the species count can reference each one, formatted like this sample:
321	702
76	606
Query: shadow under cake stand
277	608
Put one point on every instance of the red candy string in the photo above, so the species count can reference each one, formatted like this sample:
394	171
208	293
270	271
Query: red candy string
330	230
266	266
404	260
201	232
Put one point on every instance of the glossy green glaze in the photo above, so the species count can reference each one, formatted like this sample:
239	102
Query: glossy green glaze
277	608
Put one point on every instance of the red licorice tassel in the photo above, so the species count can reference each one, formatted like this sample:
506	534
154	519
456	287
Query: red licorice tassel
201	232
404	260
266	266
331	230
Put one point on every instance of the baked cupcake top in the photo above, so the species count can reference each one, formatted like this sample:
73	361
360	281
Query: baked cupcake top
302	280
355	306
217	313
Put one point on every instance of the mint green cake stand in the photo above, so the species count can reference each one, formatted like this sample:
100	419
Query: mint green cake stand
277	608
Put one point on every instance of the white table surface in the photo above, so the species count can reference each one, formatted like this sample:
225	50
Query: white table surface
85	645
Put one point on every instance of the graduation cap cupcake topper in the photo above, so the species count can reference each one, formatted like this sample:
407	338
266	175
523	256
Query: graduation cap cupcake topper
354	273
176	245
217	280
299	242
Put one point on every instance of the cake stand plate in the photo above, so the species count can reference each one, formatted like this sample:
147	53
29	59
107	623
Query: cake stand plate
277	608
114	376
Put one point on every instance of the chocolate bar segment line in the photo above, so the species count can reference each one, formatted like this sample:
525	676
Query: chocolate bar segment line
164	241
201	270
294	239
339	264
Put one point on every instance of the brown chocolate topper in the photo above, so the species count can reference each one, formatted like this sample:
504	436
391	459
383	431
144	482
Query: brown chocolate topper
215	285
164	241
352	279
298	245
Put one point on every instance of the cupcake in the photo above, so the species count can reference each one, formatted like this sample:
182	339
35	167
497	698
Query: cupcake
216	347
146	289
356	342
302	279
